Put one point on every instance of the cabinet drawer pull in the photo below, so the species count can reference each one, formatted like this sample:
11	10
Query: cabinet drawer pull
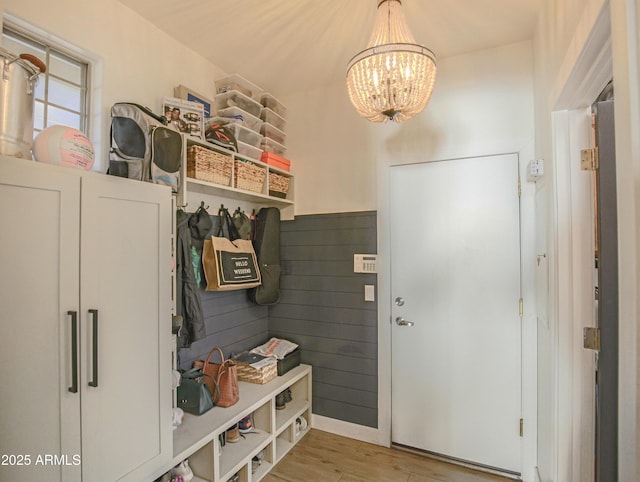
94	381
74	351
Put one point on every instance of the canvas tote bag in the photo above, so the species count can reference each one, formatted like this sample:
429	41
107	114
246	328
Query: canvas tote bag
229	263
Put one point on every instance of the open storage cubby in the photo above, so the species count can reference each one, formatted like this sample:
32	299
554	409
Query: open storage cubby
198	438
232	191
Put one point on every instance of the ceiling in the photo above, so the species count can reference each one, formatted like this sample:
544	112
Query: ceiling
292	45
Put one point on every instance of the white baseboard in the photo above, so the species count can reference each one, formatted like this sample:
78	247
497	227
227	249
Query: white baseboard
345	429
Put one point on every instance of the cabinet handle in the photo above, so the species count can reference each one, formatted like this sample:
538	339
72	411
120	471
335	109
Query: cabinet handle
94	381
74	351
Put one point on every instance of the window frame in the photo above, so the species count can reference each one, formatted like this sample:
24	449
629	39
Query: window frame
48	47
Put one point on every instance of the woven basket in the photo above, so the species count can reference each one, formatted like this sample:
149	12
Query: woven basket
278	185
249	176
247	373
207	165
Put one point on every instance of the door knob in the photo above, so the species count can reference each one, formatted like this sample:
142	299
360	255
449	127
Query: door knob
402	322
399	301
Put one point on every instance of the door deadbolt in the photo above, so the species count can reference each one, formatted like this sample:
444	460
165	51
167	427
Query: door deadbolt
399	301
402	322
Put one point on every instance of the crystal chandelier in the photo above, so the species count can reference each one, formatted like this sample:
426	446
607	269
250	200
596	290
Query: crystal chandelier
393	78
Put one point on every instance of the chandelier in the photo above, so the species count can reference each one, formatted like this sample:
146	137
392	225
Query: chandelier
393	77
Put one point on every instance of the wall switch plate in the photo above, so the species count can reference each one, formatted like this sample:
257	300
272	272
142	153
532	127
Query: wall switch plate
369	293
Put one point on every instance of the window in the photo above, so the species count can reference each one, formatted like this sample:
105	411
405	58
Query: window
61	93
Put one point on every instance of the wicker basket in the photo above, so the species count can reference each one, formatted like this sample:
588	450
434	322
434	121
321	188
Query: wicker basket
278	185
249	176
207	165
247	373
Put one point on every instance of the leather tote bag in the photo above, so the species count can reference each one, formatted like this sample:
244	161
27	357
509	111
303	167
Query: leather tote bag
224	374
194	392
229	263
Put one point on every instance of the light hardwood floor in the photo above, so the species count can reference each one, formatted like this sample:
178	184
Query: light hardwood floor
321	456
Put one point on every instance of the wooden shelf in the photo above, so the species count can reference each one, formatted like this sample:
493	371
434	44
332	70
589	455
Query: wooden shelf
270	424
200	186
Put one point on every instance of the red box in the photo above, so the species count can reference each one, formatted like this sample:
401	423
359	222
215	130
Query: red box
276	161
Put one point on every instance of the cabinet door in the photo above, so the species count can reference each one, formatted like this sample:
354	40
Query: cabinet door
126	317
39	244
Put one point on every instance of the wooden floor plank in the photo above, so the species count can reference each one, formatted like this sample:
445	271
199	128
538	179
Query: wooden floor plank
321	456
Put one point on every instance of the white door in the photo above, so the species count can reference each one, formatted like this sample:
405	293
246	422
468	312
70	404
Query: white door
455	255
126	316
39	401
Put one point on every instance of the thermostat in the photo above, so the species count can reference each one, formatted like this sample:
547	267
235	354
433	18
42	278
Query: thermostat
365	263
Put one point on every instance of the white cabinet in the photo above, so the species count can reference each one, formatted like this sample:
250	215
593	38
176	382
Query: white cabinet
274	431
85	301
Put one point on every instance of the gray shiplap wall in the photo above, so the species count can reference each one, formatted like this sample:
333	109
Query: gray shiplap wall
232	322
322	308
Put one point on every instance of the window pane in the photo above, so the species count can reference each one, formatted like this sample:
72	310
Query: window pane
57	116
38	115
62	93
61	67
39	92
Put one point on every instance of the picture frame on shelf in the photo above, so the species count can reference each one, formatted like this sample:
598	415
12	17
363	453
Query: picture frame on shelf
184	116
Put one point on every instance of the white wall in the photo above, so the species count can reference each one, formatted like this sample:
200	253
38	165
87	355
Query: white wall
482	105
136	62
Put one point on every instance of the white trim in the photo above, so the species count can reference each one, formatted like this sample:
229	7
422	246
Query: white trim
583	77
573	302
345	429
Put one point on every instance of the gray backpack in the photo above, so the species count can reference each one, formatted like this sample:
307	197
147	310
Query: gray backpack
142	147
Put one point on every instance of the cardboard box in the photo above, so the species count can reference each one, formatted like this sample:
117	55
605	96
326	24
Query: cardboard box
184	116
184	93
275	160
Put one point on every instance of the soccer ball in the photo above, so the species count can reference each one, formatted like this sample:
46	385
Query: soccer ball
64	146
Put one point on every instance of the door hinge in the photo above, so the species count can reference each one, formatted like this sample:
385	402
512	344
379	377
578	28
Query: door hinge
589	159
522	427
519	187
521	307
591	338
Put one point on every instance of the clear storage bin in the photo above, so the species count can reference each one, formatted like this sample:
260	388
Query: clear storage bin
233	98
246	135
239	83
272	118
273	133
268	100
247	150
235	114
273	146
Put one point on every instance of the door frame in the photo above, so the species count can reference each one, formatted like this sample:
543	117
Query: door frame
570	245
525	154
